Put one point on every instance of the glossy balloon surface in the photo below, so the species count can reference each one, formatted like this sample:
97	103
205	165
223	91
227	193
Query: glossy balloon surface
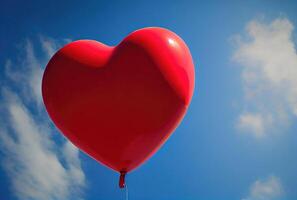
120	104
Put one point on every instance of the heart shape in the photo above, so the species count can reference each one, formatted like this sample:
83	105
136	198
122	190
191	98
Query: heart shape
120	104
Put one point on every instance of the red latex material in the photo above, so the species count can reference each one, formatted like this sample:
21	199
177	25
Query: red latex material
120	104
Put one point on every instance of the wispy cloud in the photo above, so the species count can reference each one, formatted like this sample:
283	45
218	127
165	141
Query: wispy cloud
27	73
269	72
267	189
254	122
38	167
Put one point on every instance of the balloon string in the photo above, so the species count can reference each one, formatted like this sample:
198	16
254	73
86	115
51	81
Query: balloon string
127	192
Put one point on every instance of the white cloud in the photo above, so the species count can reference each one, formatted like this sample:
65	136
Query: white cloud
38	167
27	74
268	189
71	156
269	72
254	123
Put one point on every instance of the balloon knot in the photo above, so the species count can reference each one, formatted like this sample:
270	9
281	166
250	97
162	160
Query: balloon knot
122	183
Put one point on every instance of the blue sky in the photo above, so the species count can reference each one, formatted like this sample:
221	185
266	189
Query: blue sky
238	140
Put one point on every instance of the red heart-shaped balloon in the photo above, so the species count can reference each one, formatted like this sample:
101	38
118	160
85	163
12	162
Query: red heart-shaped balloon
120	104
